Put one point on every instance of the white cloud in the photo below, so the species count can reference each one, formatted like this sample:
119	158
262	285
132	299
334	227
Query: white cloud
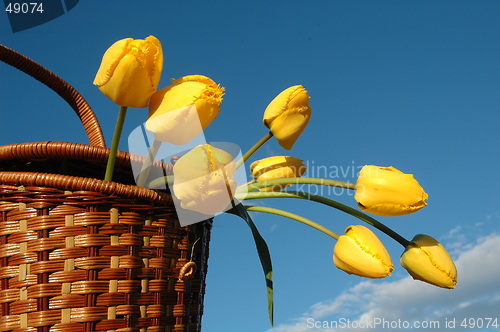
477	296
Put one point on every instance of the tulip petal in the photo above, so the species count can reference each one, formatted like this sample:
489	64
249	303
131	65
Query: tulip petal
386	191
287	115
277	167
177	127
360	252
181	111
293	97
427	260
289	126
130	71
110	60
203	180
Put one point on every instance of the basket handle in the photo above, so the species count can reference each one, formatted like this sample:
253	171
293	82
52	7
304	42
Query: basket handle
61	87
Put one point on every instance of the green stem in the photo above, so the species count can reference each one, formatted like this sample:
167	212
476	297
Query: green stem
159	182
291	181
330	202
293	216
143	175
114	144
254	148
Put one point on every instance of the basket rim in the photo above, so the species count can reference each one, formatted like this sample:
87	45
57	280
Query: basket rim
71	150
77	151
75	183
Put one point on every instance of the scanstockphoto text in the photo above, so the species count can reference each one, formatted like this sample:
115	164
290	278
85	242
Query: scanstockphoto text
399	324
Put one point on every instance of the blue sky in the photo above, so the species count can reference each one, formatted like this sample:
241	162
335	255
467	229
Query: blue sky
412	84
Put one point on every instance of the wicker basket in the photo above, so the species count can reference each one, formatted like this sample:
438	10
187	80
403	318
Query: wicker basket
82	254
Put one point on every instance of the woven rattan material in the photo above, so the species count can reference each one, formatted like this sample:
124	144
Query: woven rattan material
78	261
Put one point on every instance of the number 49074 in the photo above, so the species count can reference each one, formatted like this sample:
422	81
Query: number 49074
24	8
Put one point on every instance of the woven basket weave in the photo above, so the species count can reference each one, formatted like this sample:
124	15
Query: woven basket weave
82	254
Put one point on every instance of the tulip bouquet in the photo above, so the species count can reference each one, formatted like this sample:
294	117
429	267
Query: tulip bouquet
203	178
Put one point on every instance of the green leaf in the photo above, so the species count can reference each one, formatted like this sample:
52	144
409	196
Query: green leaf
263	251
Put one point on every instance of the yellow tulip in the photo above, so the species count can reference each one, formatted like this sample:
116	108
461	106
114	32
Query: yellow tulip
360	252
277	167
287	115
130	71
204	179
386	191
427	260
181	111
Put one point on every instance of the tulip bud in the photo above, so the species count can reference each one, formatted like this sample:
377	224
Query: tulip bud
360	252
130	71
287	115
181	111
427	260
386	191
204	179
277	167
